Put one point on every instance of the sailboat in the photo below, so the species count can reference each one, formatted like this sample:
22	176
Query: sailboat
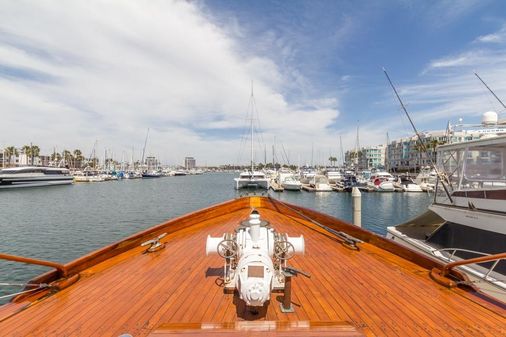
251	178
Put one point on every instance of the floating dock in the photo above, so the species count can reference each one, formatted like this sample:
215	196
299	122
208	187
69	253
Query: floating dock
276	187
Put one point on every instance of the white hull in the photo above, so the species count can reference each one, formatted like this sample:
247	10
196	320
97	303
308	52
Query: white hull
241	183
31	176
323	188
411	188
472	218
88	179
295	186
385	186
38	184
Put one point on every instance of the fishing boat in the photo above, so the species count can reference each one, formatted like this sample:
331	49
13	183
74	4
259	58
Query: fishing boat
264	267
34	176
468	215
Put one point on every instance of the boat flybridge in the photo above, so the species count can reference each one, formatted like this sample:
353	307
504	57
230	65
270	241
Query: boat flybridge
468	216
34	176
273	269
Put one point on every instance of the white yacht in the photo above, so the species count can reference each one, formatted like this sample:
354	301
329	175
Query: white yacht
334	175
289	181
468	216
426	179
382	182
252	179
408	185
33	176
320	183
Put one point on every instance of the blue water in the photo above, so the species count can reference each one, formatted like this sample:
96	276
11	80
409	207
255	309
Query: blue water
65	222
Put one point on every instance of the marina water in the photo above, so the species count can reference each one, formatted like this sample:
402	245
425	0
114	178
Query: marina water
63	223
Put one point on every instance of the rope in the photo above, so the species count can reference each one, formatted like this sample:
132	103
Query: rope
39	286
348	240
24	284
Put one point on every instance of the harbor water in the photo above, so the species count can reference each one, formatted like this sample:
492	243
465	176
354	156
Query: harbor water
63	223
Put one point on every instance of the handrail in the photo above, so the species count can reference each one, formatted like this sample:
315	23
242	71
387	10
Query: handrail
454	250
61	268
488	258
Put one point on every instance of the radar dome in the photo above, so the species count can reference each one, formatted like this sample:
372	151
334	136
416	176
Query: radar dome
489	118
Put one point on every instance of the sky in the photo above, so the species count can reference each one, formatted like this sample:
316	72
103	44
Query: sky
99	74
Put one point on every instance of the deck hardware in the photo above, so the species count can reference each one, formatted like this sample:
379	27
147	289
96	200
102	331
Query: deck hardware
155	243
284	250
227	248
255	255
289	272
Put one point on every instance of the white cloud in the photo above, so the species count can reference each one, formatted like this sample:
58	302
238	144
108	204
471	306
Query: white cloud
73	72
497	37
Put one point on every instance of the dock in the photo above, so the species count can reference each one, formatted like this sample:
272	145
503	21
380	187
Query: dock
276	187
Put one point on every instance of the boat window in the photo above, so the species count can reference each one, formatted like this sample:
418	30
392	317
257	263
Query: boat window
484	167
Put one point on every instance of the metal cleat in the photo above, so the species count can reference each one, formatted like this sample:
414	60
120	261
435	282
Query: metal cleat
155	244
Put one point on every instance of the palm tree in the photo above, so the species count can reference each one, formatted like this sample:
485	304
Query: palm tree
78	158
55	157
27	150
9	152
67	157
34	151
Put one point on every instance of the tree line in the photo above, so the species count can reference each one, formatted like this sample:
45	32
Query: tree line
74	159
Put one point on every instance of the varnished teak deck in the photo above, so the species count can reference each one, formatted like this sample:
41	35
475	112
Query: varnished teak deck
370	291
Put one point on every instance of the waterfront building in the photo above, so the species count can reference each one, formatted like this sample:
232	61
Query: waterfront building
189	163
366	158
151	162
370	157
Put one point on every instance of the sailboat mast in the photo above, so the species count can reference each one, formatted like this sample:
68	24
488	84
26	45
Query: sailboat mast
144	148
251	129
341	148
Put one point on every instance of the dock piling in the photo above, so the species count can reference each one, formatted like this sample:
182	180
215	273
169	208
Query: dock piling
356	196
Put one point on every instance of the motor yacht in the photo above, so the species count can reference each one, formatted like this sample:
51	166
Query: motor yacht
34	176
289	181
320	183
334	175
468	216
382	182
408	185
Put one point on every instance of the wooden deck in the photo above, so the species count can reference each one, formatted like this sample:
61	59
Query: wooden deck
372	291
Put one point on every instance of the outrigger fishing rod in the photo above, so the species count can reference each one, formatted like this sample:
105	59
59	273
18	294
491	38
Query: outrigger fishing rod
440	176
493	93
